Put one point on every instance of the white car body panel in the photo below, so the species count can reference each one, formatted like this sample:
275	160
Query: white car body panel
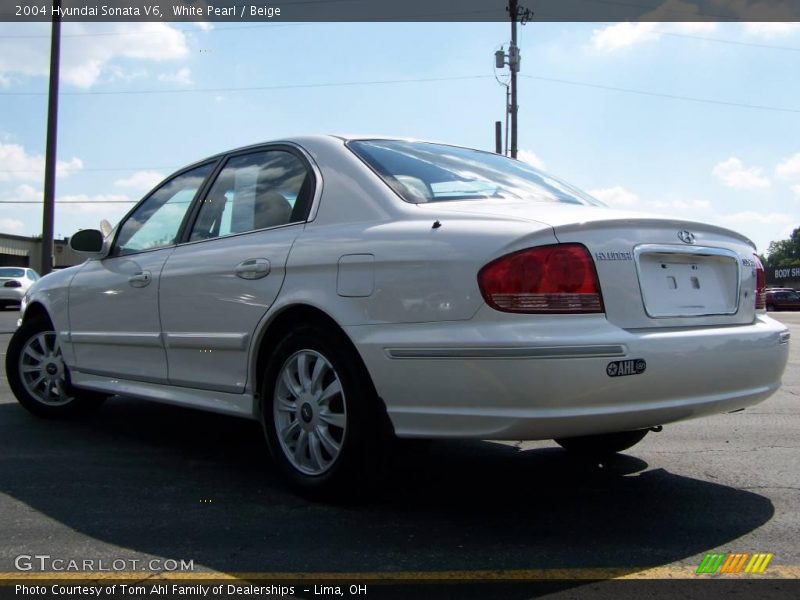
406	294
208	314
494	377
114	320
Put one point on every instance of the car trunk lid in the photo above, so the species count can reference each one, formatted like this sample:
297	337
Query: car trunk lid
654	272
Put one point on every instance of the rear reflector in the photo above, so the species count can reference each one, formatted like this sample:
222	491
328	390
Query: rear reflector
547	279
761	284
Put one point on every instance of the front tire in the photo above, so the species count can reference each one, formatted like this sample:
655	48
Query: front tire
320	412
602	444
38	376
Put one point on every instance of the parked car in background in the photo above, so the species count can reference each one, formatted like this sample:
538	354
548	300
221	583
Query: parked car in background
14	284
343	291
782	299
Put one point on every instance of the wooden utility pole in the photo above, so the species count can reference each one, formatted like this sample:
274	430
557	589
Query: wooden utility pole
49	205
513	54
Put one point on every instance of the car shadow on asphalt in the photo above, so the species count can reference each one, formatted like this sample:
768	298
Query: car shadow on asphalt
179	483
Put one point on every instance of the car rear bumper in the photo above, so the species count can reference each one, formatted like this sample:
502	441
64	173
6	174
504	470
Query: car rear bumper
11	294
502	377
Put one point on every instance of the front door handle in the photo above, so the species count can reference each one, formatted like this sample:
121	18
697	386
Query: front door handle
252	268
140	280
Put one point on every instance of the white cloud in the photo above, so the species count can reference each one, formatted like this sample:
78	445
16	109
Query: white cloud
85	58
616	196
531	158
771	30
182	76
682	206
117	73
733	173
624	35
796	191
17	164
25	192
9	213
697	27
67	167
95	203
141	180
789	168
11	226
748	217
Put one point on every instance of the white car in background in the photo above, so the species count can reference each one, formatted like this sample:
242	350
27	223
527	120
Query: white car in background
343	291
14	284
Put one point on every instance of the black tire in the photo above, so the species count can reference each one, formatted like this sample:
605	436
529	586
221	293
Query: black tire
363	439
70	402
602	444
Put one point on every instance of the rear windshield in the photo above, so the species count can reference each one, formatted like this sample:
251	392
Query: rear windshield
6	272
422	172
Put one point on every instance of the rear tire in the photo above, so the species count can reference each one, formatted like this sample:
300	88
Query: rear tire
602	444
320	413
38	376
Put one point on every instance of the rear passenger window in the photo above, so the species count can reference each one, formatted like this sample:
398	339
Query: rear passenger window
255	191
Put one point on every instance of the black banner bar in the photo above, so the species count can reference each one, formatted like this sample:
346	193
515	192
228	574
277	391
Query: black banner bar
399	10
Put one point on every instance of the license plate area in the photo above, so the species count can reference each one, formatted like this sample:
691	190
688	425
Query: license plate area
687	282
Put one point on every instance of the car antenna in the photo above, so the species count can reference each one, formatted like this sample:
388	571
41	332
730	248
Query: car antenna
436	224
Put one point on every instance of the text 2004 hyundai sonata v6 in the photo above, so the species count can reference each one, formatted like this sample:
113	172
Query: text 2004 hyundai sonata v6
343	291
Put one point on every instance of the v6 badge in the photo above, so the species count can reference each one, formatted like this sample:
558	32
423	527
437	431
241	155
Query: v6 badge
621	368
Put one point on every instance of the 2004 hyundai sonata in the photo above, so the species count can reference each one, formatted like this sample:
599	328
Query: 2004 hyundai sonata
344	290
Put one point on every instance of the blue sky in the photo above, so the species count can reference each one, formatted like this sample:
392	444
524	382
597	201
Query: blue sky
730	165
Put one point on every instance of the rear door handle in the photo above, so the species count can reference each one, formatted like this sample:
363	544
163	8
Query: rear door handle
140	279
252	268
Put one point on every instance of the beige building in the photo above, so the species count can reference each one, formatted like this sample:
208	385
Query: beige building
21	251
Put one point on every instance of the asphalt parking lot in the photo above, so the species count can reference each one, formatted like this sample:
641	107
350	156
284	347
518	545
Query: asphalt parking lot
139	480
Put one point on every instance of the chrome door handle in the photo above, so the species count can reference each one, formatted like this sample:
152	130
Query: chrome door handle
140	279
252	268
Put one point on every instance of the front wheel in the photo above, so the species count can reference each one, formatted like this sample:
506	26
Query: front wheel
320	412
602	444
38	376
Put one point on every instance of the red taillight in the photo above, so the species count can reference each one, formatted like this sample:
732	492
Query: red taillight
12	283
548	279
761	284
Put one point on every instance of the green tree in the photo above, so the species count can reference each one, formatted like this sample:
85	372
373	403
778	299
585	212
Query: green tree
783	253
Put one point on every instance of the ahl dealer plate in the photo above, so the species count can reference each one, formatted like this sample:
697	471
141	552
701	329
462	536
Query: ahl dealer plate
621	368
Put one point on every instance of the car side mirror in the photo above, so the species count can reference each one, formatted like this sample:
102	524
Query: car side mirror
90	242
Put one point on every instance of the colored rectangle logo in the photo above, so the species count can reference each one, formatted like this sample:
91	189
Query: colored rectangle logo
725	563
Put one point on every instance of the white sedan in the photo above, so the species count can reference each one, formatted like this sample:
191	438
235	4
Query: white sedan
14	284
346	291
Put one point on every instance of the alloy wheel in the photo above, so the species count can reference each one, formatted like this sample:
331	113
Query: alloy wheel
42	369
310	412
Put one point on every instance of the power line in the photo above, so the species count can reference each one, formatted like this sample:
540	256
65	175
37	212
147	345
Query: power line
732	42
718	40
98	169
72	202
255	88
662	95
417	80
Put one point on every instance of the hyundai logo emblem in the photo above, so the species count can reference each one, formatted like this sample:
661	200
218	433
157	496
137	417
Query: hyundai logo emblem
687	237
